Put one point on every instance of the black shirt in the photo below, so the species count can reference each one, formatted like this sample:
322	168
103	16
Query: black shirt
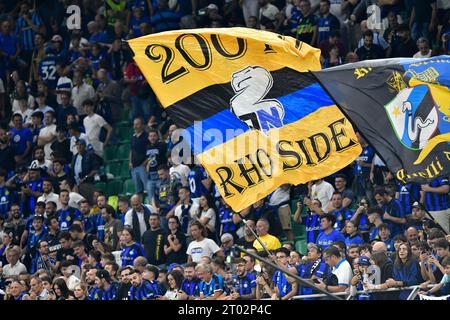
241	242
404	49
62	254
156	154
7	159
63	149
374	52
153	242
179	256
138	149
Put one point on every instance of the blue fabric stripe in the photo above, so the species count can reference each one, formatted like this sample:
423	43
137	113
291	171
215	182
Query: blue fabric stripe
297	105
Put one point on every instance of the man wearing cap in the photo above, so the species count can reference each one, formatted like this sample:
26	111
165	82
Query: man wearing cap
360	278
107	290
47	134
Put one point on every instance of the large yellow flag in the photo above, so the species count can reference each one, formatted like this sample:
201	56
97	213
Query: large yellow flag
252	114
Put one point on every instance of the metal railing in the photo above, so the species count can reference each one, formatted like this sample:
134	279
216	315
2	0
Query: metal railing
347	296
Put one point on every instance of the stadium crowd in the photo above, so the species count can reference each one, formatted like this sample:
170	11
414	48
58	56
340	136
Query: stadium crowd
93	207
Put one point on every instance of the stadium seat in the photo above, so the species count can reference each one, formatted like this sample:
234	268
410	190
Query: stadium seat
129	188
123	152
301	246
101	186
113	168
124	170
124	133
110	152
114	187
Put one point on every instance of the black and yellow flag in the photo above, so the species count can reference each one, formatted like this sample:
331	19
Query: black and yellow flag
402	107
253	116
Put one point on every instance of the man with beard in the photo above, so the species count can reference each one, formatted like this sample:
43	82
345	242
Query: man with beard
43	261
107	290
17	225
93	288
66	215
48	194
140	288
393	212
190	284
244	283
124	284
31	191
112	228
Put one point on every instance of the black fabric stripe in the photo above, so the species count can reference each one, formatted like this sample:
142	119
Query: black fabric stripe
216	98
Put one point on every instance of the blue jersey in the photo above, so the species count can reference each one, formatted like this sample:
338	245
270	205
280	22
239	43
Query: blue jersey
363	223
208	289
196	175
341	215
226	220
245	284
319	269
39	264
26	33
325	240
5	201
129	253
35	186
144	292
395	209
109	294
20	139
47	71
66	217
94	293
283	285
326	25
366	156
99	226
191	288
353	240
436	201
373	235
407	195
312	227
89	223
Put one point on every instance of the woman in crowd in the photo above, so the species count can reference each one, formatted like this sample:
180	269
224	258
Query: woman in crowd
131	249
207	215
61	290
406	271
174	280
80	292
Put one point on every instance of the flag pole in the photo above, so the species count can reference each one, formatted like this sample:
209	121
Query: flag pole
304	282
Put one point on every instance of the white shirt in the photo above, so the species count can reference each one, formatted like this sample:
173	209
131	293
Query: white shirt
93	124
180	172
419	55
16	270
279	196
140	215
45	132
212	218
26	115
30	103
270	12
73	142
44	166
335	9
199	249
343	271
192	211
50	197
81	93
323	192
74	200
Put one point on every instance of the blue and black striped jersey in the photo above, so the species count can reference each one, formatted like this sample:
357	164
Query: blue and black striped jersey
191	288
312	226
144	292
66	217
435	201
244	285
208	289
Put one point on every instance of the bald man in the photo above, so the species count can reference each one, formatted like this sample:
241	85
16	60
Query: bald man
138	217
379	246
412	234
